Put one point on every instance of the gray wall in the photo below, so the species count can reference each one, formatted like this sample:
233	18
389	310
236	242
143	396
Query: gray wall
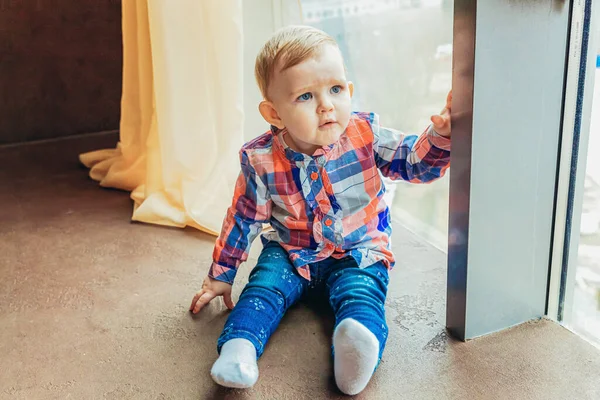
506	127
60	68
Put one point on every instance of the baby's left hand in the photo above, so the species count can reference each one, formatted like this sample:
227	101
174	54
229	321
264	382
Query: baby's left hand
441	122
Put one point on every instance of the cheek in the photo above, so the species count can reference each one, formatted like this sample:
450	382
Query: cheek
344	109
344	103
297	120
304	116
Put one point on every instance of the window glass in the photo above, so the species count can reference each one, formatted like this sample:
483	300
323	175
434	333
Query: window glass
586	298
398	54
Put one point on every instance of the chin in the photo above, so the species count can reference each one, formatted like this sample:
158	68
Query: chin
334	136
330	140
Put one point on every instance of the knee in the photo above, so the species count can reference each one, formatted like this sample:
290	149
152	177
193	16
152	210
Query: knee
359	290
369	280
258	288
276	296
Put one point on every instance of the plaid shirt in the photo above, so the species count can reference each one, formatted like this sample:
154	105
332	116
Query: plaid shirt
329	204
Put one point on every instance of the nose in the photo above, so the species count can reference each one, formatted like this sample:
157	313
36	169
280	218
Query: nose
325	104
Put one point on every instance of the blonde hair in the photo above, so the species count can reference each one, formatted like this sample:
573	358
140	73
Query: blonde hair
288	47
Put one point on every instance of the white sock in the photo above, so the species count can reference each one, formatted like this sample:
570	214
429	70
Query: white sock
236	366
356	352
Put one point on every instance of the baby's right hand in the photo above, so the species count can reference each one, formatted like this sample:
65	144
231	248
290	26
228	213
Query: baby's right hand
211	288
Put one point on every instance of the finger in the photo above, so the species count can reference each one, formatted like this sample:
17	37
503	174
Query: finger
202	301
438	121
449	100
228	301
195	299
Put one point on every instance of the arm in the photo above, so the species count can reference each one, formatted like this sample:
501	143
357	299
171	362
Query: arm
250	208
417	159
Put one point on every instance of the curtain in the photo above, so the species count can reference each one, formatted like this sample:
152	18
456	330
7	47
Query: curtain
181	112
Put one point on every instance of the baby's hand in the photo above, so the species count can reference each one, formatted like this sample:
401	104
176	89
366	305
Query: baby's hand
211	288
441	122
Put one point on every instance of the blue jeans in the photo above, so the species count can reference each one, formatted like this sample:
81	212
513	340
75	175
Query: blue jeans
275	285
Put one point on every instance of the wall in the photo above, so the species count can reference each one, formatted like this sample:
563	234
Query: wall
508	88
261	19
60	68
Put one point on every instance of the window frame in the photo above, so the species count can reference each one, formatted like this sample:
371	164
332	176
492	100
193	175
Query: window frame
577	109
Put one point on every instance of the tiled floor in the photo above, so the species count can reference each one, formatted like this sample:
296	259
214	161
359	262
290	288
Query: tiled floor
93	306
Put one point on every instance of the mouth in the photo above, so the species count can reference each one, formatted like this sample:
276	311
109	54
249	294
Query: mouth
327	124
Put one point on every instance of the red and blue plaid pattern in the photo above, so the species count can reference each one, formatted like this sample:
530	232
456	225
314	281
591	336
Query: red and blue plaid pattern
326	205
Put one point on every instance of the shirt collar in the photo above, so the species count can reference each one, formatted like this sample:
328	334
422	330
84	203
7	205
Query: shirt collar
293	155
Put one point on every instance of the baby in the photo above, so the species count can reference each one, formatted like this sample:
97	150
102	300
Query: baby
316	178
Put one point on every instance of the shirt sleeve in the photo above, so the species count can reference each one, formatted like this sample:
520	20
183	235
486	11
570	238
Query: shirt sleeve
412	158
250	209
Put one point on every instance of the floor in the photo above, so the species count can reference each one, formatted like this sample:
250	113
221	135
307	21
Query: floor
93	306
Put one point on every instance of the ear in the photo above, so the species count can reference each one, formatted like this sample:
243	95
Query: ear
268	112
351	88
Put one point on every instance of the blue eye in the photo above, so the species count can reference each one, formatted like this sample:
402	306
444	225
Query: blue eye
305	97
336	89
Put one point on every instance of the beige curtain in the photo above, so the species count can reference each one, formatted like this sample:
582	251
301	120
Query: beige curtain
181	112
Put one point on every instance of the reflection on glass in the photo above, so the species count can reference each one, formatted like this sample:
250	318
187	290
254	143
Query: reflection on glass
586	298
398	54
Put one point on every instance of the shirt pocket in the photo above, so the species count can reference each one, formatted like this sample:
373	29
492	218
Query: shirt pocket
356	185
288	199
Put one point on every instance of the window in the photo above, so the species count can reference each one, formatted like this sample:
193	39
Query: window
574	290
399	59
585	316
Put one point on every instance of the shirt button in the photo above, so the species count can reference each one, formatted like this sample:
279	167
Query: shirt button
328	222
314	176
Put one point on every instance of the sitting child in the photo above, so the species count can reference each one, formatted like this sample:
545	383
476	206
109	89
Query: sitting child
316	178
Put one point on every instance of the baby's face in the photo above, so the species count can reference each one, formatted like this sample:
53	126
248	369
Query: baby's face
312	100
